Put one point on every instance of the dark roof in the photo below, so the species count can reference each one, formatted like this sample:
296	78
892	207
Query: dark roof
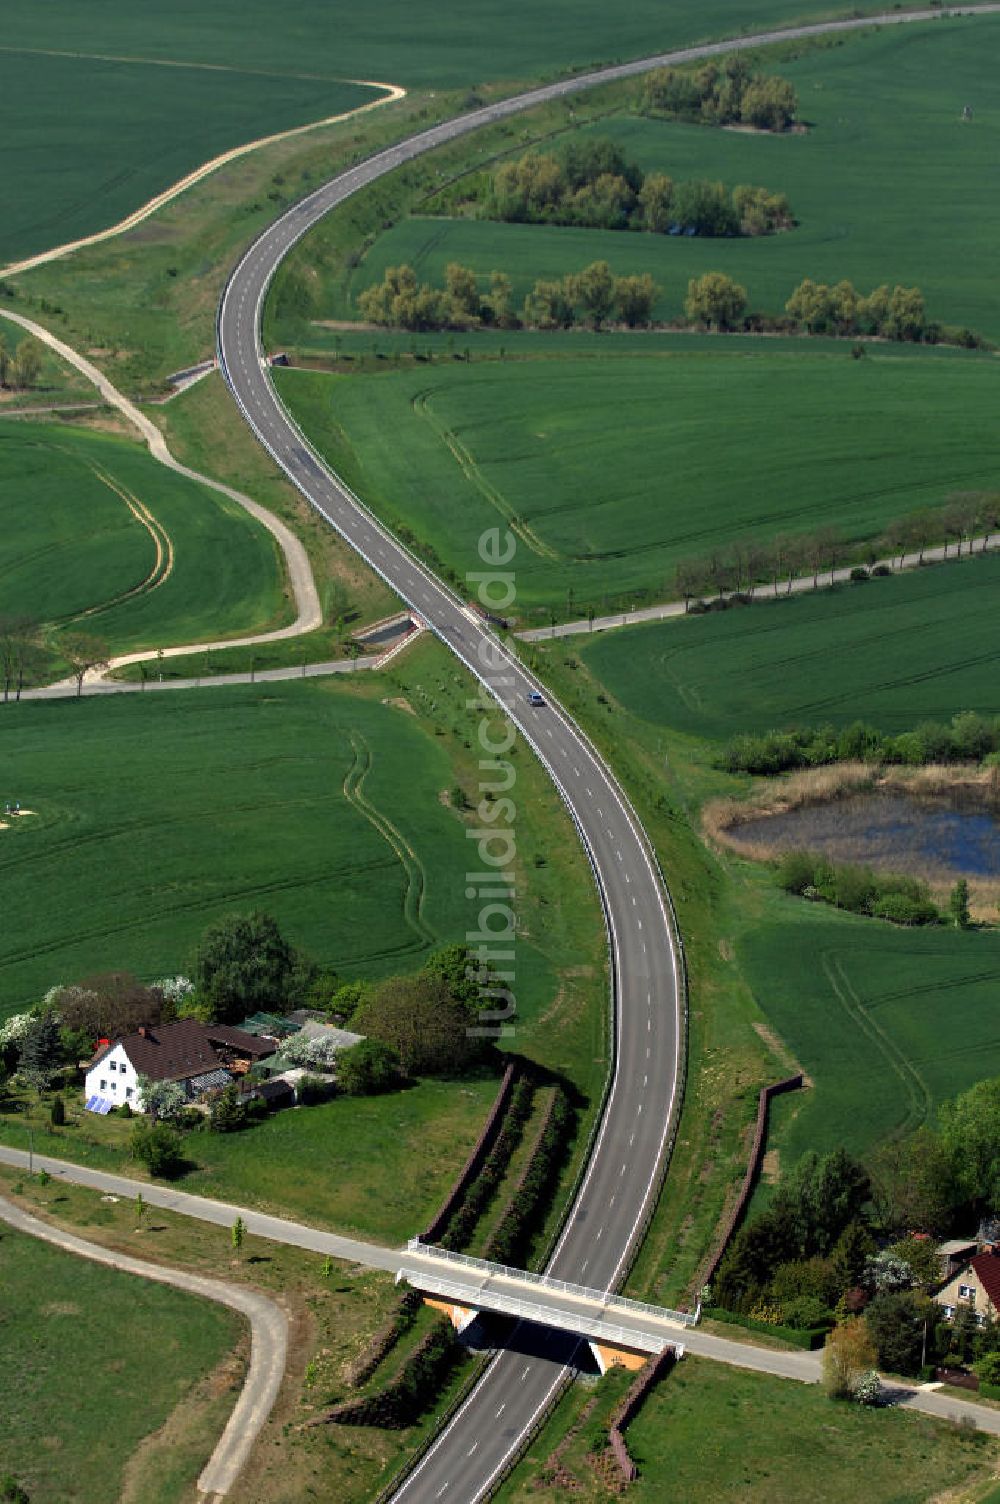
174	1052
239	1039
987	1270
275	1091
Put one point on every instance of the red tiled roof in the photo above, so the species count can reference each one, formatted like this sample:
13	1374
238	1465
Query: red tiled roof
986	1267
172	1052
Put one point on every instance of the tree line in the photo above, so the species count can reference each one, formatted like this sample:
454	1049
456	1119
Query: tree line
721	93
856	1243
894	896
590	296
968	737
591	183
737	572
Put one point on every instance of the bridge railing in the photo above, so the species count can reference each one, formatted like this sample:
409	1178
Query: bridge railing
547	1282
596	1326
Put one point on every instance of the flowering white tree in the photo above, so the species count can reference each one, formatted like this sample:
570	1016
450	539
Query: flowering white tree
15	1028
174	989
316	1053
886	1272
161	1099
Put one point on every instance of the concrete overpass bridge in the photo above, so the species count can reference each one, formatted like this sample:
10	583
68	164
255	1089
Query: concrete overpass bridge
619	1331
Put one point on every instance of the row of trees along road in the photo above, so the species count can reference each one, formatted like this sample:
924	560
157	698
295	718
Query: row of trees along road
739	569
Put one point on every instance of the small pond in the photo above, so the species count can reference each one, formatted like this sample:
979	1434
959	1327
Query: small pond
960	836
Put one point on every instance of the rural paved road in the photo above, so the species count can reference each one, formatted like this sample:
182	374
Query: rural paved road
803	1367
609	1214
268	1339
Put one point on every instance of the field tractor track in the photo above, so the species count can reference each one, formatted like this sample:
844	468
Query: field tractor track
416	877
913	1084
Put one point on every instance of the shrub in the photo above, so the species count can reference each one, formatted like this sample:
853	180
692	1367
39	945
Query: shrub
880	571
57	1112
868	1389
987	1368
898	908
859	573
158	1147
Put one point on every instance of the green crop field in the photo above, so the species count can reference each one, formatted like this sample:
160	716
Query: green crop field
156	813
919	646
614	473
888	185
79	1339
889	1022
89	138
77	551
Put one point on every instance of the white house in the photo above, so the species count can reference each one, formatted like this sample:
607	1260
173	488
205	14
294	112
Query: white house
197	1056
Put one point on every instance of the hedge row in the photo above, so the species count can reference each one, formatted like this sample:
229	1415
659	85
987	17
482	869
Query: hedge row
510	1242
384	1340
810	1338
486	1184
415	1388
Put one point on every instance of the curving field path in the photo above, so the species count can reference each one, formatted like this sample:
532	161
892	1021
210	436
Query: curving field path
609	1214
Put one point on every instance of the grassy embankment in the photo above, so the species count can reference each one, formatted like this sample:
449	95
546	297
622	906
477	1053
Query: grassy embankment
65	1317
249	811
606	497
721	1433
332	1319
101	539
885	139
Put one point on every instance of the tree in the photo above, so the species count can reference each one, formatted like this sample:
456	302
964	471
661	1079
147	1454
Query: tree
634	298
907	317
970	1138
237	1234
655	197
243	964
827	1194
895	1324
500	300
715	300
367	1069
5	360
228	1112
770	104
110	1005
465	303
83	652
848	1356
704	208
429	1031
987	1368
27	363
885	1272
914	1183
20	651
57	1112
549	305
40	1054
958	904
594	287
159	1148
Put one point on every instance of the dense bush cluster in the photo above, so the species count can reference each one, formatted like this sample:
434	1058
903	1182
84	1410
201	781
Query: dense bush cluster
855	1242
723	93
415	1388
893	896
591	183
740	568
968	737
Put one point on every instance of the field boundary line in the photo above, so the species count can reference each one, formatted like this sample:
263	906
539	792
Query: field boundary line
268	1339
394	92
298	569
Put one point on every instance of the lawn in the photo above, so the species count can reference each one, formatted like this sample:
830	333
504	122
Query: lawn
888	1022
612	472
885	141
920	646
79	1339
722	1433
100	538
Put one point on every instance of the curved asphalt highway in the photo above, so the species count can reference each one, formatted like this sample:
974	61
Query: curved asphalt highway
619	1189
